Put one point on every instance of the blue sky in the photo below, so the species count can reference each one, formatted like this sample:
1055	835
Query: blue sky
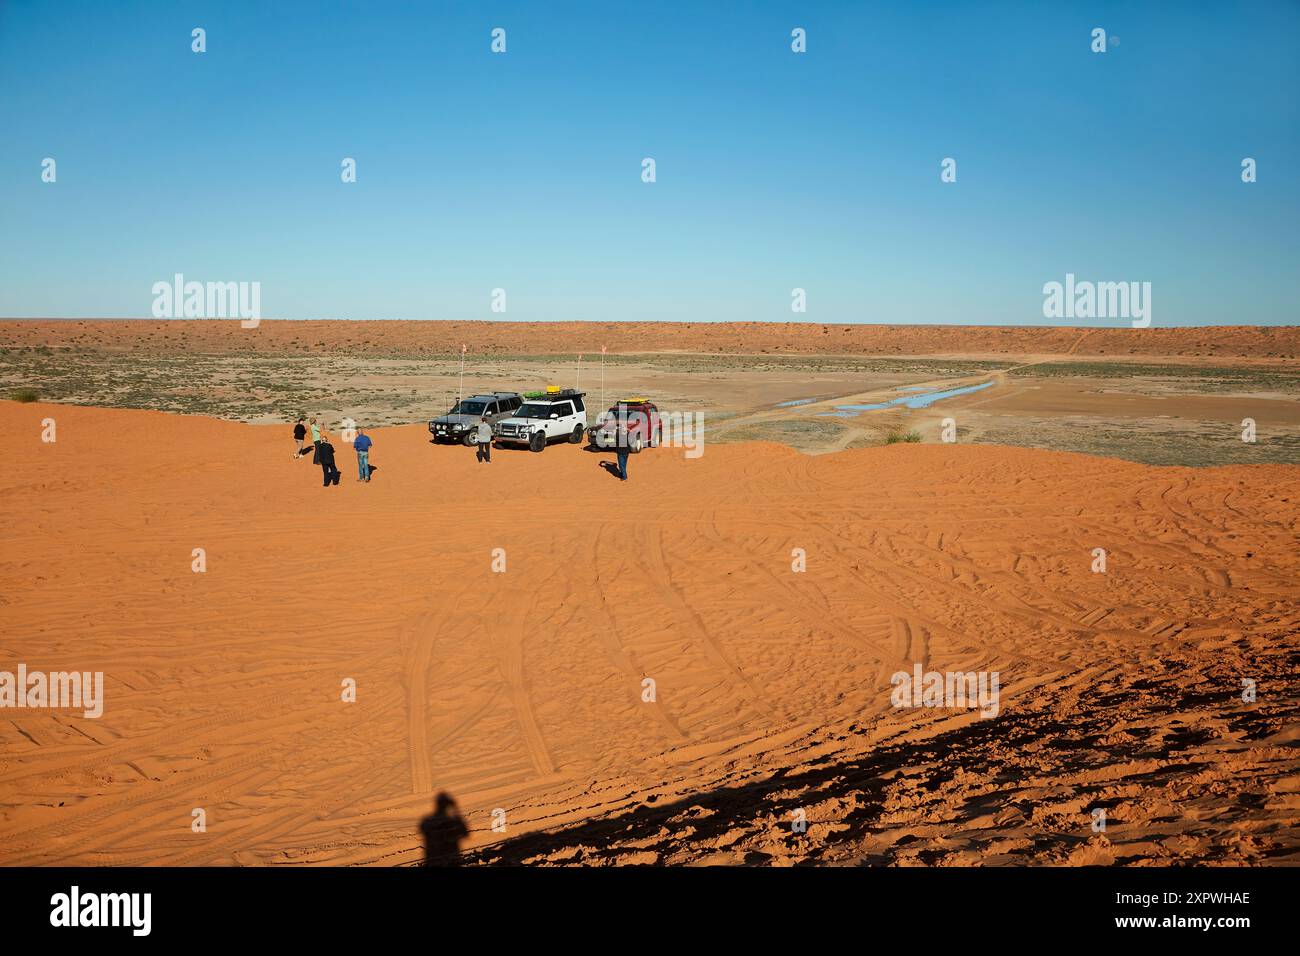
775	170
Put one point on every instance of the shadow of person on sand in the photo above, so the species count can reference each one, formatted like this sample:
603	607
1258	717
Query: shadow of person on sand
611	468
443	830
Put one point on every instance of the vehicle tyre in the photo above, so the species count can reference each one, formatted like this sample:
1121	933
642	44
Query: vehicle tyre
469	440
537	441
634	443
576	437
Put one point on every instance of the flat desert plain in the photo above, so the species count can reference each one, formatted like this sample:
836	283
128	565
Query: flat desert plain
696	666
1159	396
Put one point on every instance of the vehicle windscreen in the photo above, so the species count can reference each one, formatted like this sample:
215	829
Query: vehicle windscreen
533	410
630	416
467	408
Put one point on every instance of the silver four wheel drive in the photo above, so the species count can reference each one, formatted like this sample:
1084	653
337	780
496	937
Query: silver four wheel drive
458	425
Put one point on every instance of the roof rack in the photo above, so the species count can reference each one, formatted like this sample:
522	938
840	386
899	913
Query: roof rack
553	391
489	395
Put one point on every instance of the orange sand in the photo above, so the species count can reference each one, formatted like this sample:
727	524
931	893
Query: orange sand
523	690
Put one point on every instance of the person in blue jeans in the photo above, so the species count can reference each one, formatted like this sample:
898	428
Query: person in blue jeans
362	445
621	446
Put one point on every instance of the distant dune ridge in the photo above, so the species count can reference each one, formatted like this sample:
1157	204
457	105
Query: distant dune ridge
524	691
510	338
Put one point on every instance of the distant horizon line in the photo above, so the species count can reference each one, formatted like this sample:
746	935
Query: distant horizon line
772	322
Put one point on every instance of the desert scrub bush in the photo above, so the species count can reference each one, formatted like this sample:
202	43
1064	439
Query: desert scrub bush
893	438
26	395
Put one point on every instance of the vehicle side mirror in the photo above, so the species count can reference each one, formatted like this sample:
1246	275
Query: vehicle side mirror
555	414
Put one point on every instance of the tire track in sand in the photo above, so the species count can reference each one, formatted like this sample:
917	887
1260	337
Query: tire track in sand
613	643
517	619
656	567
419	636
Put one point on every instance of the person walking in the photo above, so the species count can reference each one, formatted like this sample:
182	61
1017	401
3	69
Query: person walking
315	441
362	445
325	452
621	447
300	436
483	436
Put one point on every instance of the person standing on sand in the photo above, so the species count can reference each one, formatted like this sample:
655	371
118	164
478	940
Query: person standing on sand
325	452
300	436
315	441
621	448
362	445
483	435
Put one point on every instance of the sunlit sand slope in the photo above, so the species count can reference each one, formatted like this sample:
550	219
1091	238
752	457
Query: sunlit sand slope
525	690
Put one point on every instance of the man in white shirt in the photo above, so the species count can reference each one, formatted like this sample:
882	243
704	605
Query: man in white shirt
483	435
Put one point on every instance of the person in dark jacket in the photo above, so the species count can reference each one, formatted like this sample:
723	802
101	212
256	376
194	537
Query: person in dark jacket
622	444
325	452
299	435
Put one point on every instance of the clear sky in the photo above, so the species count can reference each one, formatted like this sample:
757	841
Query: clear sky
775	170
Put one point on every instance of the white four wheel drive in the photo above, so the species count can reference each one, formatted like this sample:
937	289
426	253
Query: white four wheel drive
544	417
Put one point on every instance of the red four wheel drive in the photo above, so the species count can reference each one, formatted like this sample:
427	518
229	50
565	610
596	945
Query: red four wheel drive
639	416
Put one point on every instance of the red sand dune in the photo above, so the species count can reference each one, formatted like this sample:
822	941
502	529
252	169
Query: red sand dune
522	691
